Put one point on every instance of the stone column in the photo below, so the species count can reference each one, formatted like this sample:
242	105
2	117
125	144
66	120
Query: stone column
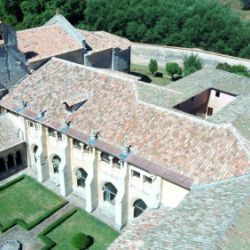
121	202
42	164
65	179
91	182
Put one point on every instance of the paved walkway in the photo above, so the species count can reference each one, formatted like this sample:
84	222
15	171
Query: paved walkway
54	217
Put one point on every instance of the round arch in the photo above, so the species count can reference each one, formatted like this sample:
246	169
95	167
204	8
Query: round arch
55	161
109	192
81	176
139	206
19	158
10	161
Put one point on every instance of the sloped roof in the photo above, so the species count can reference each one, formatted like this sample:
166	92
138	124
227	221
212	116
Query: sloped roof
190	147
101	40
44	42
9	134
210	216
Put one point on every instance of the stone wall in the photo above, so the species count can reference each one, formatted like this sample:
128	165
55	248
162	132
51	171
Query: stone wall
13	65
113	58
142	53
121	59
101	59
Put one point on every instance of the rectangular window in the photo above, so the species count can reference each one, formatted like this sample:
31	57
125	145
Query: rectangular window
59	136
217	93
30	124
116	162
52	132
76	144
147	179
135	174
105	157
209	111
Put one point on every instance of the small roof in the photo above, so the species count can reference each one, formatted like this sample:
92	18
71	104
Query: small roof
101	40
10	135
45	42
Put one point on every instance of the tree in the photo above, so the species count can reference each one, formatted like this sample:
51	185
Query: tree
246	4
191	63
153	66
173	69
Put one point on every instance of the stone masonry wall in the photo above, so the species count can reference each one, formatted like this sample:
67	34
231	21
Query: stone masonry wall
142	53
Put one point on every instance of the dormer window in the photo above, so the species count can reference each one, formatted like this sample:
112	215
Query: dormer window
75	102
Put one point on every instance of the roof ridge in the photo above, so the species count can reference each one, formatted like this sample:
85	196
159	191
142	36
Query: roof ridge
39	27
241	140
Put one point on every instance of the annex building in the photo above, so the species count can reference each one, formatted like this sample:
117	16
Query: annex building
177	157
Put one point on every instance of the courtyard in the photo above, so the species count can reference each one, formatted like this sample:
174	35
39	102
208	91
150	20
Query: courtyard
41	219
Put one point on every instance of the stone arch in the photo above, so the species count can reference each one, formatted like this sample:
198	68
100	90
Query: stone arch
19	158
2	165
109	192
34	151
10	161
139	206
81	176
56	161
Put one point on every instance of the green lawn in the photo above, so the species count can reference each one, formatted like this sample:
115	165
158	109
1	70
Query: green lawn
81	221
142	70
28	201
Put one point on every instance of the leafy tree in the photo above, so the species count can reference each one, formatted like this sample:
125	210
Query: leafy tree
246	4
191	63
153	66
173	69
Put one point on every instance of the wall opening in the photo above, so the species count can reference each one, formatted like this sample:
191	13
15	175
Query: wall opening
206	103
139	206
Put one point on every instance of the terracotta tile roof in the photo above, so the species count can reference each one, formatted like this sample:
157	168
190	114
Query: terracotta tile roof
9	134
210	216
45	42
194	148
101	40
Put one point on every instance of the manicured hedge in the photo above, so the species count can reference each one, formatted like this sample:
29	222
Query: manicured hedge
43	235
22	223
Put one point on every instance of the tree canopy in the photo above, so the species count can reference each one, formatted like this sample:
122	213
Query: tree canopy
203	24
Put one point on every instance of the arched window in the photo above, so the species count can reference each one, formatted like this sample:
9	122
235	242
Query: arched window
19	160
56	163
10	161
2	165
81	176
139	206
34	153
109	193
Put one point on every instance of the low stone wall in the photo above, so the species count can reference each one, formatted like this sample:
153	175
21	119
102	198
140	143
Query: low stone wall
142	53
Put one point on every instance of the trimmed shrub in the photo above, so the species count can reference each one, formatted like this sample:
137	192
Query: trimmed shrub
82	241
240	70
153	66
236	69
191	63
173	69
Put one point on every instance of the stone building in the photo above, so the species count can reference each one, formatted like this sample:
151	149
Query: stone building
101	135
24	51
170	156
